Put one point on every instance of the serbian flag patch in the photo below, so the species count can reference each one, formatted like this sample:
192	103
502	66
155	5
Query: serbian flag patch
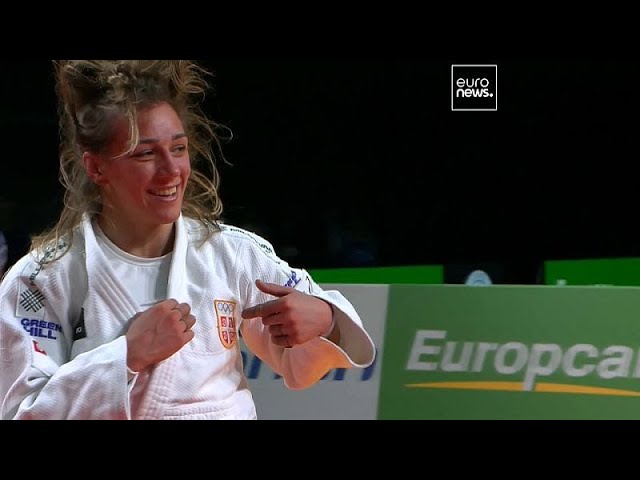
226	316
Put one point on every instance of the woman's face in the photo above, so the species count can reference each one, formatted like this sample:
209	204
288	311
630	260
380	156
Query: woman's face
146	187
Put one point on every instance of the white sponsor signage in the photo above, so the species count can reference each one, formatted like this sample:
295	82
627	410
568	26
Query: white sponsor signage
342	394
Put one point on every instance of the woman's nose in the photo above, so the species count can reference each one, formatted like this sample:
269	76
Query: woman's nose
169	164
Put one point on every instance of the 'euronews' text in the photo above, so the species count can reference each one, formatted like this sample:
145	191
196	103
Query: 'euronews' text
473	87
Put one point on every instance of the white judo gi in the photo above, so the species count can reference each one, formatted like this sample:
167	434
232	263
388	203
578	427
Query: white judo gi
63	351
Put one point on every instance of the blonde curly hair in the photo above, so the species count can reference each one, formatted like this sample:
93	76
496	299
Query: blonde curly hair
91	94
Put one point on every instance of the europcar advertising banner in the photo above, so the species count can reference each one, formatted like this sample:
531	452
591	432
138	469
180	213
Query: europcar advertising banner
342	394
456	352
488	352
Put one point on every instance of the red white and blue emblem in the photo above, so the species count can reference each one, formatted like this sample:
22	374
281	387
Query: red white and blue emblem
226	315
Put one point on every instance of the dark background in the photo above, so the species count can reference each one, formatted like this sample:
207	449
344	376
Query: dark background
361	163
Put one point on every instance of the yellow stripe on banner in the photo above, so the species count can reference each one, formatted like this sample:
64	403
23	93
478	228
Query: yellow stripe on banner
559	388
519	387
503	386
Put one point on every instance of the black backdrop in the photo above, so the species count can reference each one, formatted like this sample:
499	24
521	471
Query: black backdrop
364	163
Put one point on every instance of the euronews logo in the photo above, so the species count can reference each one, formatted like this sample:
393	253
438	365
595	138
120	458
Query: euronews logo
528	363
474	88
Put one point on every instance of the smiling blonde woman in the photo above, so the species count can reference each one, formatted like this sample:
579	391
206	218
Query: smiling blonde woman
130	307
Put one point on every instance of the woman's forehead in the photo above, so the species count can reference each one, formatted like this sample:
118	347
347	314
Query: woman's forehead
157	122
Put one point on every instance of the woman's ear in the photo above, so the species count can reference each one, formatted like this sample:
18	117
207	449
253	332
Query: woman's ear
93	166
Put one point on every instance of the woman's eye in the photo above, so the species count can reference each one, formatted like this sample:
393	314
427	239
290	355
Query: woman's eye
144	153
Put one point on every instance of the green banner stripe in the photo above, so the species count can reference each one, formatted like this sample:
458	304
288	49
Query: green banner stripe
422	274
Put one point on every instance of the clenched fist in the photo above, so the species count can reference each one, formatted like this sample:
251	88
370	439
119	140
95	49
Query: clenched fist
157	333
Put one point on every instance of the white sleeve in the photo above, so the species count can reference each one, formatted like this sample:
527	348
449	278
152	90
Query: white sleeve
302	365
37	380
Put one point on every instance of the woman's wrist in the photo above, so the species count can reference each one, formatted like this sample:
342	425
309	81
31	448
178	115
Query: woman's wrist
330	330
